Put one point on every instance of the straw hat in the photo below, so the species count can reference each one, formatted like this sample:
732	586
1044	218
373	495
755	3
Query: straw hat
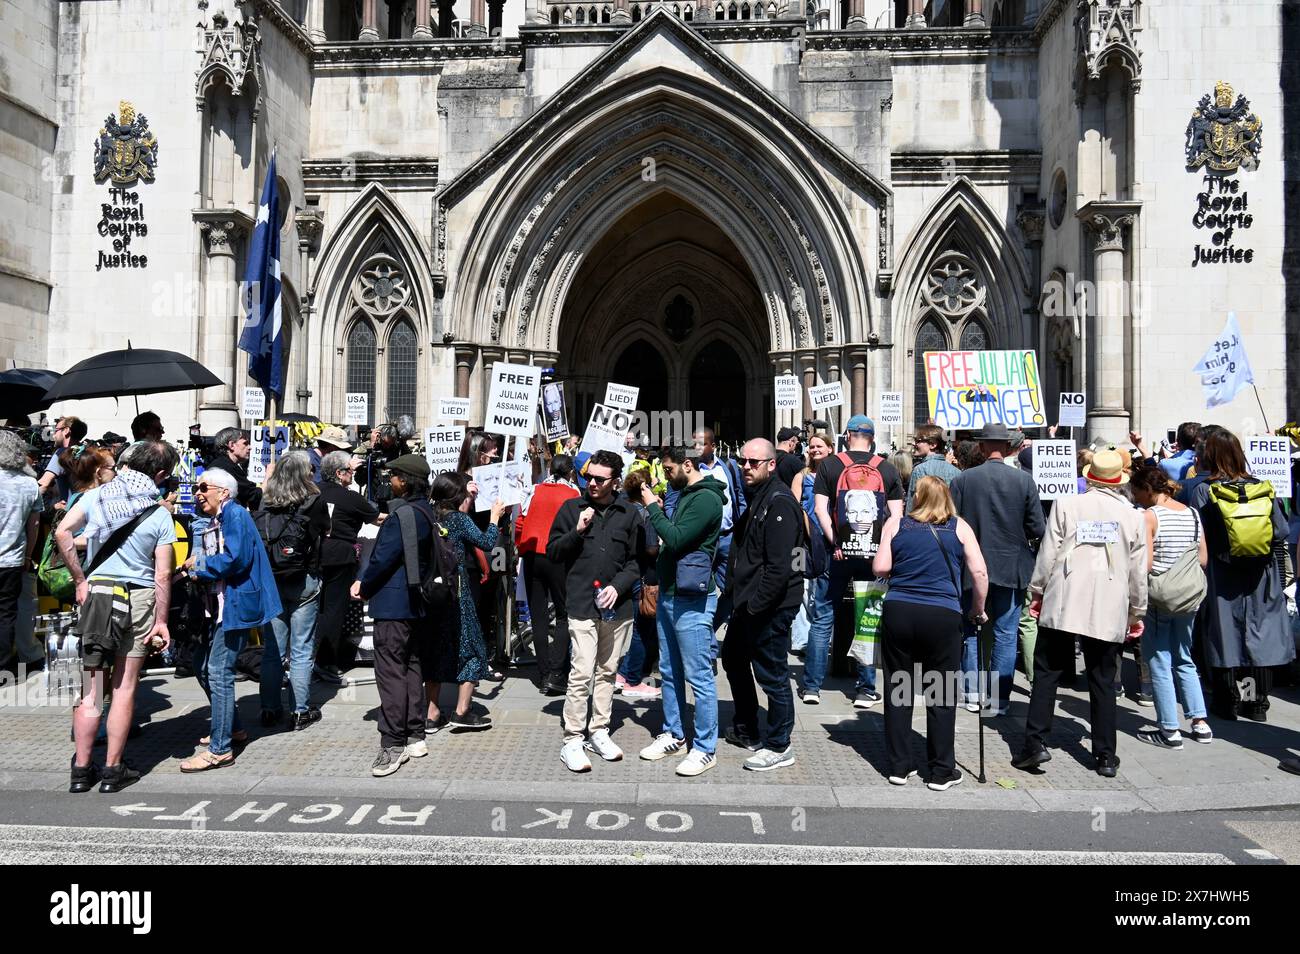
1106	469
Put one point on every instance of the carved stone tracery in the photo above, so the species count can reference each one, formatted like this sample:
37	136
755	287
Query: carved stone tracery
380	287
953	287
231	55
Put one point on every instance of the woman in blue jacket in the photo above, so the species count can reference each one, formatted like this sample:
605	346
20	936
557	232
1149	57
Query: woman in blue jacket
246	597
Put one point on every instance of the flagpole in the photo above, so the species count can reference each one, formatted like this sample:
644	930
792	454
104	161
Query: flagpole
1260	402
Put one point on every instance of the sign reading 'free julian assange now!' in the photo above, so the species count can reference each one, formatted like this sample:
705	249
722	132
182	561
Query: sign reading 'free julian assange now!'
512	399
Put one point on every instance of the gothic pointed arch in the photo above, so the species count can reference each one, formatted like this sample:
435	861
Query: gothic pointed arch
374	274
960	272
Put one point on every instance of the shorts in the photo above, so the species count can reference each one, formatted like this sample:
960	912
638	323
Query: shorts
112	626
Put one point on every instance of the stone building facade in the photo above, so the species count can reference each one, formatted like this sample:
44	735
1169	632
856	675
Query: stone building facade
690	197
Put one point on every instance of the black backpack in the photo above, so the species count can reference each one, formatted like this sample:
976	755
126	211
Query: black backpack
287	537
439	586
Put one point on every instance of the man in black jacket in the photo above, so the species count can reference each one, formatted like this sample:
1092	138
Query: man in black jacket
766	589
231	453
595	539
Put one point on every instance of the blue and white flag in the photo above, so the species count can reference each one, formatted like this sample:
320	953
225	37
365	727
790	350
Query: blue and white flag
261	337
1224	368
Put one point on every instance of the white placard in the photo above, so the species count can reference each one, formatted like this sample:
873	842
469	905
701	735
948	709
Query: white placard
607	430
508	481
622	396
267	444
822	396
512	399
787	392
555	419
891	409
1270	459
453	409
1055	469
442	448
1074	409
1096	531
254	404
357	408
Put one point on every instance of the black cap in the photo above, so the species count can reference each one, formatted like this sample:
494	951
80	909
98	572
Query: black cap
785	433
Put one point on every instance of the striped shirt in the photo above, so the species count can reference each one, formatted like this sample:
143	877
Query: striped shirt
1177	531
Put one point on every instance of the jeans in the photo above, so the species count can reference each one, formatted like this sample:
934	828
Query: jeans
225	647
757	649
720	601
685	655
292	632
643	650
828	590
1167	649
1003	609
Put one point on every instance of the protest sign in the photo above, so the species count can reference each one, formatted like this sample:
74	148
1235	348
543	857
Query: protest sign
506	481
824	396
254	408
356	408
268	445
1074	409
1270	459
621	396
1055	469
442	447
969	389
453	409
607	430
891	409
512	399
555	418
787	392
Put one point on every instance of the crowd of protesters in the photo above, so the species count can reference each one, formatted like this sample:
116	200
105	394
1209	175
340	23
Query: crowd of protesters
680	560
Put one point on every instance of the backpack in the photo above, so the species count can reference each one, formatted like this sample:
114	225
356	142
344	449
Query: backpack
287	537
439	586
1247	512
51	570
857	479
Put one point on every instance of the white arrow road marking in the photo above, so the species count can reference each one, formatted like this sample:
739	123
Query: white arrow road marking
127	810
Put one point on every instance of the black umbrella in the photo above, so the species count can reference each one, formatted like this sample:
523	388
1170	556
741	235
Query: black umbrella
294	417
22	390
133	371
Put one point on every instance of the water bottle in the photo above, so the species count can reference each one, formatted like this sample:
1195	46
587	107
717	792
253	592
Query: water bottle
606	615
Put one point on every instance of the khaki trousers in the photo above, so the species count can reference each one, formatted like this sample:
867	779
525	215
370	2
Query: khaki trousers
595	648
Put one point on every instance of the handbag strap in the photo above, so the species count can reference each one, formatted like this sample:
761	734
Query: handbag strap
956	583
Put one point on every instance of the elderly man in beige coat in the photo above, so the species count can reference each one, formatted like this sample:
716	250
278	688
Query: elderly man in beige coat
1090	581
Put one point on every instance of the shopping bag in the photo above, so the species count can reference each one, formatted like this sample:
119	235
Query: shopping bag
868	601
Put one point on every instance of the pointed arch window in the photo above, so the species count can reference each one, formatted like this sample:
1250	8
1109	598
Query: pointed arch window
402	358
973	336
929	337
361	362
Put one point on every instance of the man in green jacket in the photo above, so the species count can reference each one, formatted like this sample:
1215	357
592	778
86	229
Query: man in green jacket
687	545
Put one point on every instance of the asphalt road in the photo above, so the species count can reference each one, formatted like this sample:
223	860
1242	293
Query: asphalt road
44	827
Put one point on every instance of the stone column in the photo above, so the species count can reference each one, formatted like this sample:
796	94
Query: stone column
703	11
422	30
974	14
465	356
1108	415
621	15
857	15
369	20
838	415
316	21
477	18
219	340
916	14
808	371
858	364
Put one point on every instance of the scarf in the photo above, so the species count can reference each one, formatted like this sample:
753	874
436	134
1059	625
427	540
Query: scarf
118	502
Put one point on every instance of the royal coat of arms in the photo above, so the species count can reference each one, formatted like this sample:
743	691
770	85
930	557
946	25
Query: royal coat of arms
1223	135
126	150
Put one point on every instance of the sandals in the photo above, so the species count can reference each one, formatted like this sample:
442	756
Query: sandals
206	762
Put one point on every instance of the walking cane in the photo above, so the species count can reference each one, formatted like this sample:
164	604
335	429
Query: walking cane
985	630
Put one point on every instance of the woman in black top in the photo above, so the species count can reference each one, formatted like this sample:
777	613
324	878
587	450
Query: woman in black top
340	552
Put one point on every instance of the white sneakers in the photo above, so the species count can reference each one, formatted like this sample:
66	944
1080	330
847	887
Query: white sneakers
417	750
574	756
663	746
604	746
696	763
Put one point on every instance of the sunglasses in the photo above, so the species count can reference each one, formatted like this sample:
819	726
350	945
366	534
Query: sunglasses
598	480
753	462
204	488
